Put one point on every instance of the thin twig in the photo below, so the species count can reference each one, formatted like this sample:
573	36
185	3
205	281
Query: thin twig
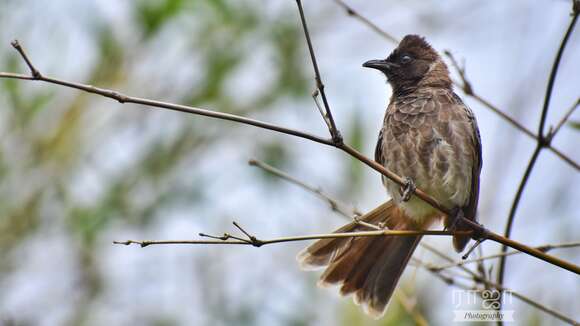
258	242
565	118
543	141
523	129
321	110
336	137
355	14
544	248
334	204
465	84
33	71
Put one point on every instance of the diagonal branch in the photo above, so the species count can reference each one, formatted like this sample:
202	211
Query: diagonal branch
122	98
334	204
544	248
562	121
478	231
353	13
543	141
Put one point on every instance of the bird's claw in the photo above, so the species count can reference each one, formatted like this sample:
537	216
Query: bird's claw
407	189
454	219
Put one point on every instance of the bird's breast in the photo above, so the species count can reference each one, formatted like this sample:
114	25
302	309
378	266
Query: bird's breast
423	146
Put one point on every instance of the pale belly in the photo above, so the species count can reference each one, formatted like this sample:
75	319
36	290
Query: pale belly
445	175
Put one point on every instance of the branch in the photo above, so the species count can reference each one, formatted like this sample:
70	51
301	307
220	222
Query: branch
543	141
122	98
253	241
544	248
336	137
479	232
334	204
554	72
353	13
525	130
562	121
468	90
477	278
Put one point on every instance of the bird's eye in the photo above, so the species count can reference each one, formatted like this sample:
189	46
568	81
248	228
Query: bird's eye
406	59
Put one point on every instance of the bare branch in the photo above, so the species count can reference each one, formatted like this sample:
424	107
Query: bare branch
336	137
122	98
562	121
334	204
321	110
544	248
523	129
465	84
253	241
543	141
353	13
479	232
554	71
33	71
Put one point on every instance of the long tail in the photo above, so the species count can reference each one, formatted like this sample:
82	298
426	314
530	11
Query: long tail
369	267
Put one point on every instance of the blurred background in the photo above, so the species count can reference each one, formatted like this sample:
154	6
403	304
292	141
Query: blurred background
78	171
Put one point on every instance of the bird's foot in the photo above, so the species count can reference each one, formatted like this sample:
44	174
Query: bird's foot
454	219
407	189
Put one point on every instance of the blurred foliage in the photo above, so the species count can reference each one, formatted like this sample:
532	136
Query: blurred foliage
54	139
355	136
395	316
152	15
76	166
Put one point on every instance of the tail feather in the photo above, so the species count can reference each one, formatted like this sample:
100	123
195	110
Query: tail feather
369	267
382	281
323	251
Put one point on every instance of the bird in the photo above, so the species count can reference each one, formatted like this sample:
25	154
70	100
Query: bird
431	139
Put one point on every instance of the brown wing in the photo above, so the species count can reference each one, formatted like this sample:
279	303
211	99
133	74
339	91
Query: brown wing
470	210
379	158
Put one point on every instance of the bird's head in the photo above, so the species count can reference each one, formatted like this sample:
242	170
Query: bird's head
412	64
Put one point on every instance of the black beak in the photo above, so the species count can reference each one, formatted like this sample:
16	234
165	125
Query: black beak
382	65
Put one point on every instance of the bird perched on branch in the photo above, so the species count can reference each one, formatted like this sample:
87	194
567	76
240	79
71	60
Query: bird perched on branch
430	138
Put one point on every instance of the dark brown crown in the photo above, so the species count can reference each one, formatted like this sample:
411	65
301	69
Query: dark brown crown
418	47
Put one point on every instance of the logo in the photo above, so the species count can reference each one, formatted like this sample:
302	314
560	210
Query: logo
486	302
